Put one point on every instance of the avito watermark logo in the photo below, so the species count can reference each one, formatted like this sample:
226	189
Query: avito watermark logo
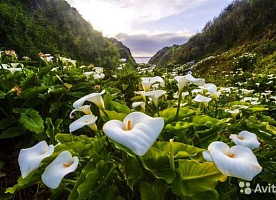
247	189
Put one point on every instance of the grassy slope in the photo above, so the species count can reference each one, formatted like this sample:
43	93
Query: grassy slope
242	27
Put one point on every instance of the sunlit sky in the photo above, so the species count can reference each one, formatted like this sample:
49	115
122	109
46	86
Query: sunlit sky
146	26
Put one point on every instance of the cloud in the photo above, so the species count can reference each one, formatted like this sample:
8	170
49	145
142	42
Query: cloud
115	16
146	44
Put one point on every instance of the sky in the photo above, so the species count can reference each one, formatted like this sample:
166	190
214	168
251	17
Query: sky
146	26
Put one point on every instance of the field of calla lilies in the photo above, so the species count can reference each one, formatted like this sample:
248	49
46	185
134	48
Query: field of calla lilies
84	132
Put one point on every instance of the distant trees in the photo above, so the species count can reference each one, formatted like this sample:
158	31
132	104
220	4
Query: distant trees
31	26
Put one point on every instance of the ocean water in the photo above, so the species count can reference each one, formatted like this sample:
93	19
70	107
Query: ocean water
142	60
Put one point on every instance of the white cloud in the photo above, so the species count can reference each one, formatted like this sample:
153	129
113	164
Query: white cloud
146	44
115	16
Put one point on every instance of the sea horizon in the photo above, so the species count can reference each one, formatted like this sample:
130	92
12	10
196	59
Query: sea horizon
142	60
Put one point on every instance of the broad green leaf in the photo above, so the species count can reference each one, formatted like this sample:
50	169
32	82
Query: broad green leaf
11	132
93	178
193	177
32	121
32	178
106	194
120	108
158	162
108	101
32	92
2	95
111	115
169	114
155	191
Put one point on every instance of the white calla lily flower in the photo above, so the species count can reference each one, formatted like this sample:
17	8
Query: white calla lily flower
183	80
137	132
95	98
14	65
142	93
4	66
238	161
210	87
30	159
246	138
147	82
155	95
207	156
98	76
137	104
13	70
202	99
85	109
87	74
86	120
60	167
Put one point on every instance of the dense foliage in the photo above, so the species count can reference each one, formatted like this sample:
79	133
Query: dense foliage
53	26
36	99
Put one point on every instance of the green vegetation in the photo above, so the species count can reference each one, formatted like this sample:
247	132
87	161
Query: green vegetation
32	26
245	26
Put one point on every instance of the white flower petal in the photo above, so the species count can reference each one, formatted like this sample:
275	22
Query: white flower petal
239	161
30	159
143	131
202	99
148	81
95	98
207	156
85	109
60	167
246	139
81	122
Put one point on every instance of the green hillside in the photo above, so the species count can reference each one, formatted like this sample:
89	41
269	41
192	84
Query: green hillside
245	26
52	26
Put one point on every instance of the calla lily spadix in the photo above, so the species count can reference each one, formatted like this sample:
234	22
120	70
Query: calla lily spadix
85	109
86	120
247	139
95	98
238	161
30	159
148	81
137	132
60	167
155	95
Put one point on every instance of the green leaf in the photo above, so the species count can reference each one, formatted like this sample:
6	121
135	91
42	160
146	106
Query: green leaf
194	177
110	115
11	132
2	95
33	92
169	114
108	101
155	191
31	179
93	178
120	108
158	162
32	121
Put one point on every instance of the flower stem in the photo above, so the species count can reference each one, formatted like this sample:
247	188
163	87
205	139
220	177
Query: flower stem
178	105
106	178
